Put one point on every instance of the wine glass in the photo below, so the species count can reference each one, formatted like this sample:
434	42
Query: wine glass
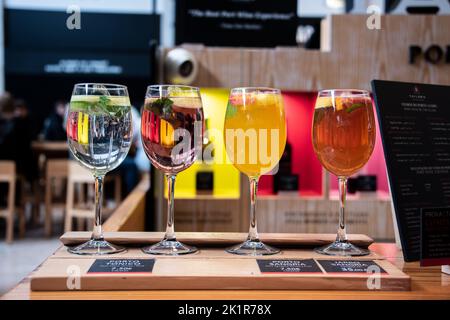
255	137
99	134
172	134
343	137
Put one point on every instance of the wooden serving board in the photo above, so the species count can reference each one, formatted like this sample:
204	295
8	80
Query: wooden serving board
209	239
208	253
210	268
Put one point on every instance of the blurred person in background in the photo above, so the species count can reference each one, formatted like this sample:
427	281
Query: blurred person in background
21	109
15	137
54	129
23	121
134	163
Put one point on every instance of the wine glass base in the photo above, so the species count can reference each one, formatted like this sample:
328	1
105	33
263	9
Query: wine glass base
253	248
169	248
96	247
338	248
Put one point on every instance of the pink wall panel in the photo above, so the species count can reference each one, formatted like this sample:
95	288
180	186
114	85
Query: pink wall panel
299	109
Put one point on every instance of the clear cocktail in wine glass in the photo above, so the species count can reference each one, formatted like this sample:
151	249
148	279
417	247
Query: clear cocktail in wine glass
99	134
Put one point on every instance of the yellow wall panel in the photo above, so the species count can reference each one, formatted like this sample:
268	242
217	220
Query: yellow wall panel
226	177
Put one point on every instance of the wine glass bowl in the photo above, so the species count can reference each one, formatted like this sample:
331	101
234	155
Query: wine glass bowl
99	135
172	134
343	137
343	131
162	118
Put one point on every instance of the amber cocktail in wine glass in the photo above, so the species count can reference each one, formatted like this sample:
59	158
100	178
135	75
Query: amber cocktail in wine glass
343	137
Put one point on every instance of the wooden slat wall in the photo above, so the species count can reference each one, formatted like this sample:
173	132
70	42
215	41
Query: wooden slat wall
370	216
357	55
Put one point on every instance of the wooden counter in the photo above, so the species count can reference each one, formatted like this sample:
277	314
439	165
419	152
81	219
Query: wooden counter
49	146
427	283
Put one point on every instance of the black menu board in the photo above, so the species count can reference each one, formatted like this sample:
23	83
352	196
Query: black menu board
435	237
415	129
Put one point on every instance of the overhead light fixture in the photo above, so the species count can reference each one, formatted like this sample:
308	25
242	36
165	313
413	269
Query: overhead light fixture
335	4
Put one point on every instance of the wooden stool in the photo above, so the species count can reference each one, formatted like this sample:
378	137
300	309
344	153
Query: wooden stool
55	169
76	175
29	196
8	175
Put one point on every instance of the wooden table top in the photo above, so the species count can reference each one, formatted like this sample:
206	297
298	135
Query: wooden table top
49	146
426	283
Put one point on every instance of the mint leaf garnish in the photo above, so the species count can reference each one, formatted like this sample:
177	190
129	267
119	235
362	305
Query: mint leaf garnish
102	106
115	111
103	102
354	106
231	111
167	106
162	107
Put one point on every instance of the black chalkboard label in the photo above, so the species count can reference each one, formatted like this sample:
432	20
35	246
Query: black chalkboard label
350	266
122	266
435	236
288	266
414	124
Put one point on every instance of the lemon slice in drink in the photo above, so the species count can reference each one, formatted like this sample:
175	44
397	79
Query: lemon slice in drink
112	105
324	102
112	100
266	98
185	102
174	91
327	102
188	102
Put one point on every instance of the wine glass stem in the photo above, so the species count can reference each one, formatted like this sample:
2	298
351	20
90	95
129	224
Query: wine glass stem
341	234
170	229
97	233
253	231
